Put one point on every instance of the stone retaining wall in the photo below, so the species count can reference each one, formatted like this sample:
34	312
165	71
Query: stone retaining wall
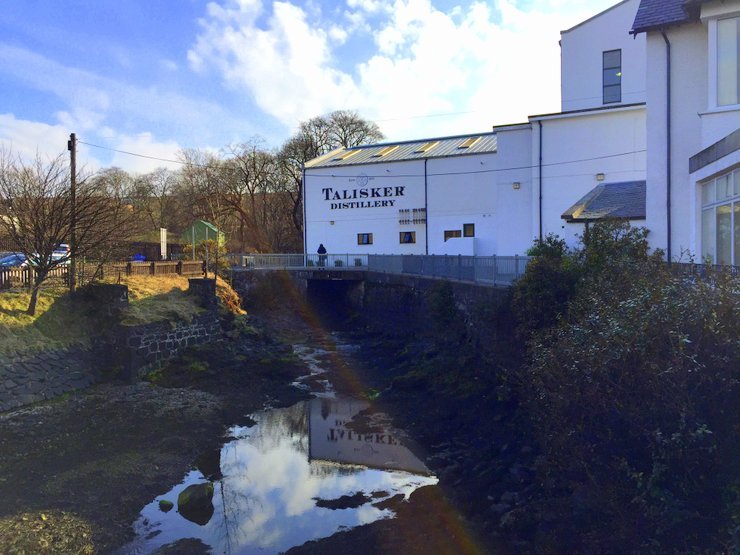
26	379
145	348
124	351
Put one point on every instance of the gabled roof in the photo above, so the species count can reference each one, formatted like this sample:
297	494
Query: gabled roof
419	149
657	14
609	201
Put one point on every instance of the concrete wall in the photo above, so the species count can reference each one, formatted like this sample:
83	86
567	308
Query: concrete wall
582	63
688	98
577	147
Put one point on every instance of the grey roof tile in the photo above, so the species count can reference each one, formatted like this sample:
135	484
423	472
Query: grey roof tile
607	201
655	14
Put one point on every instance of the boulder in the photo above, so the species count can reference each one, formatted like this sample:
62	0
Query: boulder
195	503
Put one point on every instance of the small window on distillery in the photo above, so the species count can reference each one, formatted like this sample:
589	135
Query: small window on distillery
468	230
408	237
452	233
364	238
612	76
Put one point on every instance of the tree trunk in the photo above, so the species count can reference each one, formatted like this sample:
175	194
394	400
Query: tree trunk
31	310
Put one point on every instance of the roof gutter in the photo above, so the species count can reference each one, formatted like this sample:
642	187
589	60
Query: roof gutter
668	144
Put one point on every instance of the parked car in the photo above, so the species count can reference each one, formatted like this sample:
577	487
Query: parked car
14	260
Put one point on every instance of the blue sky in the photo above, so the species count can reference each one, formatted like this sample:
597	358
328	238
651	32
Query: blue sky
152	77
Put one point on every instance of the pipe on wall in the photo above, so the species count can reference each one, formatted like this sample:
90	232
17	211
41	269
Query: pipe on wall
426	211
303	200
539	166
668	143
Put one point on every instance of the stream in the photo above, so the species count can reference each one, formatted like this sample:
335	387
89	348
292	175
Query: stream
290	475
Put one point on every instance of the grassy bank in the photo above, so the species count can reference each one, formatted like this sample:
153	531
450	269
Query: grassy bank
62	320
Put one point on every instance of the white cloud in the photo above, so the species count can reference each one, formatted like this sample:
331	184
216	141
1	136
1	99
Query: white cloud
28	138
156	152
486	67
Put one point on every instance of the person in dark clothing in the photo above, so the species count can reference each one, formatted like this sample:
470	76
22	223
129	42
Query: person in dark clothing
322	254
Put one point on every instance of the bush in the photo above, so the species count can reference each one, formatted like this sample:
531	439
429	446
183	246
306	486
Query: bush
541	295
633	396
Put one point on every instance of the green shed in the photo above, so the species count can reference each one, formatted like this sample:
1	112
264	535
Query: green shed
201	231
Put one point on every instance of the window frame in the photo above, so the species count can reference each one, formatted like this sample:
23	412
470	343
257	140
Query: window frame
713	66
452	234
728	204
368	236
467	227
604	69
411	234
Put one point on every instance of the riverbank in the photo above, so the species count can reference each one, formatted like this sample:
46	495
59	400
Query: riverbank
77	470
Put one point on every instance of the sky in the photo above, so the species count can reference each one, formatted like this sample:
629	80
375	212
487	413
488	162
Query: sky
153	77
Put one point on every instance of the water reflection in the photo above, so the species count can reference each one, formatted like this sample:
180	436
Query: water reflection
284	481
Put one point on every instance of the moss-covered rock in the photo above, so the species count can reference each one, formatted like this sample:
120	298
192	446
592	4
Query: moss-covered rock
195	503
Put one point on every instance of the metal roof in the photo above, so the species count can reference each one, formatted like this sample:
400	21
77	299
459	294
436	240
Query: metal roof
657	14
625	200
408	150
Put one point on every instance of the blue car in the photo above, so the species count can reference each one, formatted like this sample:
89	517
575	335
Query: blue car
14	260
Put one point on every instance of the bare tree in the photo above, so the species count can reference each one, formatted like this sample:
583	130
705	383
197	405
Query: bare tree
315	138
36	212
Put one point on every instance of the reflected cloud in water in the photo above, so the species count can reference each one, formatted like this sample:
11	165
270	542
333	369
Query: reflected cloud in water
275	472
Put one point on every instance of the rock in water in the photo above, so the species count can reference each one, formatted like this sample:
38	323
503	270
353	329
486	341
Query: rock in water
195	503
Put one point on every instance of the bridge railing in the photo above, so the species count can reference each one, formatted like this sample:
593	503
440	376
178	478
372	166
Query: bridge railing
297	261
496	270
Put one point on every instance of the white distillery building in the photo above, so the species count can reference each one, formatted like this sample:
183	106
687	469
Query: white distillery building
605	155
450	195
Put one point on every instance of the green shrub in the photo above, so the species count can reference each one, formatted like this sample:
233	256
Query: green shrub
633	396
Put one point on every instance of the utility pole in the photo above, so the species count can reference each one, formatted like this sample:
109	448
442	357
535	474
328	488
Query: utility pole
72	147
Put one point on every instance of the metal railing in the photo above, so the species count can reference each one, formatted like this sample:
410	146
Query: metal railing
494	270
299	261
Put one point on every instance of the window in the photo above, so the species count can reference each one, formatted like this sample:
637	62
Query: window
467	143
450	233
468	230
408	237
364	238
728	61
612	76
720	219
426	147
344	155
387	150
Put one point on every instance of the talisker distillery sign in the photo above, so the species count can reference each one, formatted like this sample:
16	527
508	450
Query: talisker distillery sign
362	196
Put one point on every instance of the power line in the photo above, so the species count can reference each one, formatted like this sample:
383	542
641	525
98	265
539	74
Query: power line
470	172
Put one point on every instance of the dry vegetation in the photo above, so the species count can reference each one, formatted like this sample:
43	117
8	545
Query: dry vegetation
59	322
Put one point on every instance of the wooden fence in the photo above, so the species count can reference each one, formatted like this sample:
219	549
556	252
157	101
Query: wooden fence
23	277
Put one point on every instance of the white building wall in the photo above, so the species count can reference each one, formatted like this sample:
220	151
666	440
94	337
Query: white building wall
688	99
582	63
479	190
575	148
336	222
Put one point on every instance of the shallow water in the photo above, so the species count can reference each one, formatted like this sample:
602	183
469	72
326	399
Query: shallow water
298	473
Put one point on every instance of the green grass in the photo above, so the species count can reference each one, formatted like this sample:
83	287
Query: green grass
60	322
57	323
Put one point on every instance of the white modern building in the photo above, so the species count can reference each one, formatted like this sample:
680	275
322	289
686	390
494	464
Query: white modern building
605	155
693	122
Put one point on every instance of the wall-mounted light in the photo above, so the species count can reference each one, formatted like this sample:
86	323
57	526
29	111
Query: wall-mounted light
516	185
600	177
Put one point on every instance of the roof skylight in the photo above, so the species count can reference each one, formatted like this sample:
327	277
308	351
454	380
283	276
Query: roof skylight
426	147
467	143
384	151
